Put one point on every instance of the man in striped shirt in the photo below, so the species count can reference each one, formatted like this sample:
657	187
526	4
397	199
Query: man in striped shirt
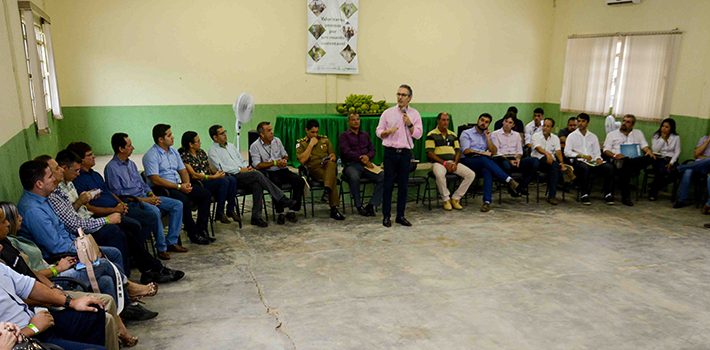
442	149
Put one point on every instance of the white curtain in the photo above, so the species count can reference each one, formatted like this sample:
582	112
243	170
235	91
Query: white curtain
587	76
645	75
54	91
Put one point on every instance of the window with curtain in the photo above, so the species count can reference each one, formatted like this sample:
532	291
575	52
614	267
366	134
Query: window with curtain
41	71
620	74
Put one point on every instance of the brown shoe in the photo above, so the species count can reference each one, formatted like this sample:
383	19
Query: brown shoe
163	255
177	248
485	207
223	219
706	209
552	201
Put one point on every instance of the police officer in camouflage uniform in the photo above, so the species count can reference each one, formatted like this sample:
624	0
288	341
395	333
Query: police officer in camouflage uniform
316	153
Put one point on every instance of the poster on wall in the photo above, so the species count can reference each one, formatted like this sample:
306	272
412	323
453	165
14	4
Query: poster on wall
332	36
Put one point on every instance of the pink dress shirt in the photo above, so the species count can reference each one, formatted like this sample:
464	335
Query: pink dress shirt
509	143
401	138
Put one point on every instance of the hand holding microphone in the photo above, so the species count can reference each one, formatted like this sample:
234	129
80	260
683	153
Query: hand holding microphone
405	118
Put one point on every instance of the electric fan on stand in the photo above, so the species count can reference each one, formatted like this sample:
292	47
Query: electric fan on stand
243	108
610	124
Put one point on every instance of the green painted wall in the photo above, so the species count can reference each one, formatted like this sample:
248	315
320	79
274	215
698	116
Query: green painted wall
95	125
25	145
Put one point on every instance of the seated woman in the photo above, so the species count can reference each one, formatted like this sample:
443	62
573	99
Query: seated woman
222	186
666	145
34	266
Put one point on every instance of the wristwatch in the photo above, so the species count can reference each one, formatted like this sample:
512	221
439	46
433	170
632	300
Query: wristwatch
67	301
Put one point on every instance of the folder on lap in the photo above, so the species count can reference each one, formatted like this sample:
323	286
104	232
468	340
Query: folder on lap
632	150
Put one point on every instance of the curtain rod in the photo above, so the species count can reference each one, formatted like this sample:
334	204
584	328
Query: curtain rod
667	32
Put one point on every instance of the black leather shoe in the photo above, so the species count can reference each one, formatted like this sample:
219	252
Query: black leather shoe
195	239
335	214
291	217
136	312
286	202
370	210
387	222
156	277
627	202
259	222
206	235
281	219
175	275
402	221
362	211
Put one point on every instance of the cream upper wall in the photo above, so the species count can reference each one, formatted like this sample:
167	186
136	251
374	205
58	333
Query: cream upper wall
137	52
691	91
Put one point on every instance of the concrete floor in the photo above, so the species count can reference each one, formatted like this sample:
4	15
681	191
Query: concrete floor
524	276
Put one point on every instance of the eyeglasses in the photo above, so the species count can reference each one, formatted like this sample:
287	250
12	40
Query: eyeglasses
402	95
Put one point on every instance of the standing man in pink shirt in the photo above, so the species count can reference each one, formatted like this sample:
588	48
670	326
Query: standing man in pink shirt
399	126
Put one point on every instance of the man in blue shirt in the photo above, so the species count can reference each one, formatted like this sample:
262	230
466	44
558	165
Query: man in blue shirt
80	325
41	224
123	179
166	171
152	270
477	148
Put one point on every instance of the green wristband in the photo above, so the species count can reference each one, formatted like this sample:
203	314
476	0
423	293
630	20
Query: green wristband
53	268
33	328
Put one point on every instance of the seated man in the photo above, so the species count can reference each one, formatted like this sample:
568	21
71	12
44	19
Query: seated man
356	153
123	179
269	155
583	149
166	171
224	157
571	126
534	127
701	166
628	167
41	223
80	325
139	221
547	156
517	127
152	270
509	154
477	149
443	151
316	153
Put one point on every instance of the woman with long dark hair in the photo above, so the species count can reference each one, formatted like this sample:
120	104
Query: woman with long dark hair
666	145
222	186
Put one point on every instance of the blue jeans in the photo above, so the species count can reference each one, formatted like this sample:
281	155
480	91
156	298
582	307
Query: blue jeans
150	217
114	256
105	277
224	189
701	166
353	172
488	169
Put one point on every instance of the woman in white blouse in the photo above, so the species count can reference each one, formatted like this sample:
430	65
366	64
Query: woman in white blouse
666	147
